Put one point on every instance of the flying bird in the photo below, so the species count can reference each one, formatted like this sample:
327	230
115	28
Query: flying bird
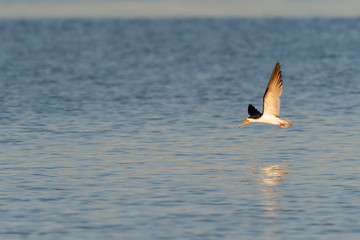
271	103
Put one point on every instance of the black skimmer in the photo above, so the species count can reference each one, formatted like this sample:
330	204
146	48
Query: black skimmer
271	103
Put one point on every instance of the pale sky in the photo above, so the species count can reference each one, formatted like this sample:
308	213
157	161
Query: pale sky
178	8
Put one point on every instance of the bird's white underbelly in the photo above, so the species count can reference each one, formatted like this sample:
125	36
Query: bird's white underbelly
269	119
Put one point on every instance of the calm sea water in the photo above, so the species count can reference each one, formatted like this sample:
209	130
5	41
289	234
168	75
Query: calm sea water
126	129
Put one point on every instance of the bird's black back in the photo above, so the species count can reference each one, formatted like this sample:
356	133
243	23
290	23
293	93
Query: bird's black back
253	112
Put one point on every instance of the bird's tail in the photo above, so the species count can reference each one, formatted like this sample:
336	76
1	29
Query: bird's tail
285	123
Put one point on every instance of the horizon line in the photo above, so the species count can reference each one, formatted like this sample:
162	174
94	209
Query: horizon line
164	9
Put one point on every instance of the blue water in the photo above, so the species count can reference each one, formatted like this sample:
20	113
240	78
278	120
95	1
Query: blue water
126	129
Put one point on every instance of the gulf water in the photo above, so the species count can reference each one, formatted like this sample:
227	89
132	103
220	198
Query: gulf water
126	129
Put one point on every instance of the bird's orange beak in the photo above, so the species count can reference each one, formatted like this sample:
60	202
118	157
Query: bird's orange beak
244	122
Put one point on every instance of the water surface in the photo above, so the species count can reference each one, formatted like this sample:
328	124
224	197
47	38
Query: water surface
126	129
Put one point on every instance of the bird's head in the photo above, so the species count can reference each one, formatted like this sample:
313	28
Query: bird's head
244	122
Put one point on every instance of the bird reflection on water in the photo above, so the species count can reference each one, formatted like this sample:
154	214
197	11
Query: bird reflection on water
273	174
270	178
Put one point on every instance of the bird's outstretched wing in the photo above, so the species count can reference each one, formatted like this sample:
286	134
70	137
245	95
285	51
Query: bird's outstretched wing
273	92
253	111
